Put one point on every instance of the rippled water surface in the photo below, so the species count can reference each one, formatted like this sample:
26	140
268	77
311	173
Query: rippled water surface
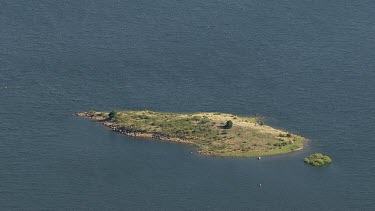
307	66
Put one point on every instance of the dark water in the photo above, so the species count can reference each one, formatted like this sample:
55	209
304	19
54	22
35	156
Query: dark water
308	66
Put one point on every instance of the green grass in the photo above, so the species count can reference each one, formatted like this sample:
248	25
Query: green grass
318	159
246	138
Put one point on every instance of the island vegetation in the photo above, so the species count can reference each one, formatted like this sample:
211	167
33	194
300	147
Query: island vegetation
218	134
318	159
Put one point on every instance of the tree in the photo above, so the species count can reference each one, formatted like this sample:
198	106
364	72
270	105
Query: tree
228	125
112	114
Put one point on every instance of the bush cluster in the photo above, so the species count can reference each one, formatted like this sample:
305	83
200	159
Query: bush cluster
112	114
285	135
318	159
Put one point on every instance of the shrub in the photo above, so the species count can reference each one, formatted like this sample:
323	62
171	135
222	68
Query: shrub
204	121
280	144
143	116
260	122
285	135
317	159
228	125
112	114
195	118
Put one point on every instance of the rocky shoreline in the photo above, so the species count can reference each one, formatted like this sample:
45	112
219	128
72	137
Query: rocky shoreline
131	133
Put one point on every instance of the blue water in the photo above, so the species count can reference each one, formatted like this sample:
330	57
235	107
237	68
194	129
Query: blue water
307	66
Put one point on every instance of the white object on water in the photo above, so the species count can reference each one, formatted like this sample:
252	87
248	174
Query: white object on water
259	158
260	185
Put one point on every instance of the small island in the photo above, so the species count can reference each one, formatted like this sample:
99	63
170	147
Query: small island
318	159
218	134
